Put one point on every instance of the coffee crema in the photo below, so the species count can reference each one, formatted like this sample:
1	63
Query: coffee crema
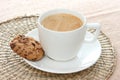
62	22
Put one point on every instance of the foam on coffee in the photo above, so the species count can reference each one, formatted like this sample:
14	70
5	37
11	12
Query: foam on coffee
62	22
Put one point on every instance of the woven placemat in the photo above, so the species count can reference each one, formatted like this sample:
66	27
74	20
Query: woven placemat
13	67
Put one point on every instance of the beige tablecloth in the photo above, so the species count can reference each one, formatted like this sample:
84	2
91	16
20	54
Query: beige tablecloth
106	12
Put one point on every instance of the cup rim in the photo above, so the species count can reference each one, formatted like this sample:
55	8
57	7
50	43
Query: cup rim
62	11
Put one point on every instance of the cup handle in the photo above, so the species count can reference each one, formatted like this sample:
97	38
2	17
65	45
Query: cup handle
95	26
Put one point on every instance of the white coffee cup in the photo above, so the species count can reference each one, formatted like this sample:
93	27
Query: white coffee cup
63	46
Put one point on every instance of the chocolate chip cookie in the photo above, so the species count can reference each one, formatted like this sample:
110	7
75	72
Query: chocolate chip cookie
27	47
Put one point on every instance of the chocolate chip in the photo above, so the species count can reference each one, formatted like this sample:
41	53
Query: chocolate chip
21	36
23	40
37	42
34	59
25	55
33	44
16	50
12	45
19	47
38	49
25	51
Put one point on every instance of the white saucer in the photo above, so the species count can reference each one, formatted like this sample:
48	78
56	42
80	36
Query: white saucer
90	54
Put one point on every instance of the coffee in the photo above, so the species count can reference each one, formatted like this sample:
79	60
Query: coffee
62	22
